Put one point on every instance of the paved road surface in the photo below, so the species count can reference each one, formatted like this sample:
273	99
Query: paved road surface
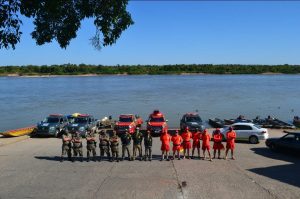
31	169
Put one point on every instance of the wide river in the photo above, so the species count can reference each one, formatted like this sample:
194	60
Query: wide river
26	101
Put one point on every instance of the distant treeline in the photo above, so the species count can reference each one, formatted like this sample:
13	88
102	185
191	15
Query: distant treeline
81	69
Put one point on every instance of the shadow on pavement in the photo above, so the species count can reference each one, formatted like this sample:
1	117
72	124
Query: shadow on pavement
57	158
288	173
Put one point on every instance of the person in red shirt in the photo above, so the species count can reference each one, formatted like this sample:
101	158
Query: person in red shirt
230	136
177	140
206	144
196	142
218	146
186	137
165	139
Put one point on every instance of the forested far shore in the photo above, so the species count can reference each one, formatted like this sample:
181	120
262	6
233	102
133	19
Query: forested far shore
83	69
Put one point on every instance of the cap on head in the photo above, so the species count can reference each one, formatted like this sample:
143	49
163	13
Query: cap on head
230	128
205	131
217	129
176	131
137	128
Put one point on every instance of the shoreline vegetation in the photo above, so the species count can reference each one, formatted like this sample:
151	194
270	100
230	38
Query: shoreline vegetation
180	69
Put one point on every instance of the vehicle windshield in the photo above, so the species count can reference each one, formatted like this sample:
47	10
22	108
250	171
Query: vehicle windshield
81	120
257	126
125	119
193	119
52	120
157	119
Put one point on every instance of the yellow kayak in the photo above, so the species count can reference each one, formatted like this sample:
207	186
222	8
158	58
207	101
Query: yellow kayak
18	132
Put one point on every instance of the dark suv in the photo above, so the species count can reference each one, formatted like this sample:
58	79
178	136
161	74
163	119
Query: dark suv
51	126
191	120
81	123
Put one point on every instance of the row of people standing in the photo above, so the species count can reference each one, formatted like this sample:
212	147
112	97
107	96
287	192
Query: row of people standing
109	145
188	140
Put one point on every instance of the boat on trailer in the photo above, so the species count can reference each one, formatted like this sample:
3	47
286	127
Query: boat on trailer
216	122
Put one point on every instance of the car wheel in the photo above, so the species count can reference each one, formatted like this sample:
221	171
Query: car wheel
253	140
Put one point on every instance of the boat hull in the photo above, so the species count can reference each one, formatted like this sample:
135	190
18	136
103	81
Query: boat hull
19	132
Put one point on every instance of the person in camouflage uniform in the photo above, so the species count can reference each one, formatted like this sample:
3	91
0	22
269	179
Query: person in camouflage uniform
91	144
77	145
114	146
148	145
137	138
126	141
104	144
66	145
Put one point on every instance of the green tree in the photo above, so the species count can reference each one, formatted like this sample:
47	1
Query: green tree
60	20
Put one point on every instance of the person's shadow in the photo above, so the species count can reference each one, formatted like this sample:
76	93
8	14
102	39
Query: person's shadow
289	173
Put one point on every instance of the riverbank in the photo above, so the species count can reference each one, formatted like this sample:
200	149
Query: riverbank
193	69
125	74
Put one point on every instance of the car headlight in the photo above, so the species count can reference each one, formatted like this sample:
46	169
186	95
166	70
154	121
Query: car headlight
81	128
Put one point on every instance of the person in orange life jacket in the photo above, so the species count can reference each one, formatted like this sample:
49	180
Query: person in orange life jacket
230	145
218	146
186	137
177	140
165	139
206	144
196	142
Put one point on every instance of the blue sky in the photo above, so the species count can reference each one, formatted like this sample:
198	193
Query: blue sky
178	32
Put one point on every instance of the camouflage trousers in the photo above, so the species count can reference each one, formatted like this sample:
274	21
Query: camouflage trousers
104	150
91	148
148	152
77	150
124	149
114	153
137	147
66	149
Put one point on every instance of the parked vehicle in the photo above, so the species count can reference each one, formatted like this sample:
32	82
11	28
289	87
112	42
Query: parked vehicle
192	121
271	122
126	122
51	126
81	123
239	119
289	143
216	122
157	123
247	132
